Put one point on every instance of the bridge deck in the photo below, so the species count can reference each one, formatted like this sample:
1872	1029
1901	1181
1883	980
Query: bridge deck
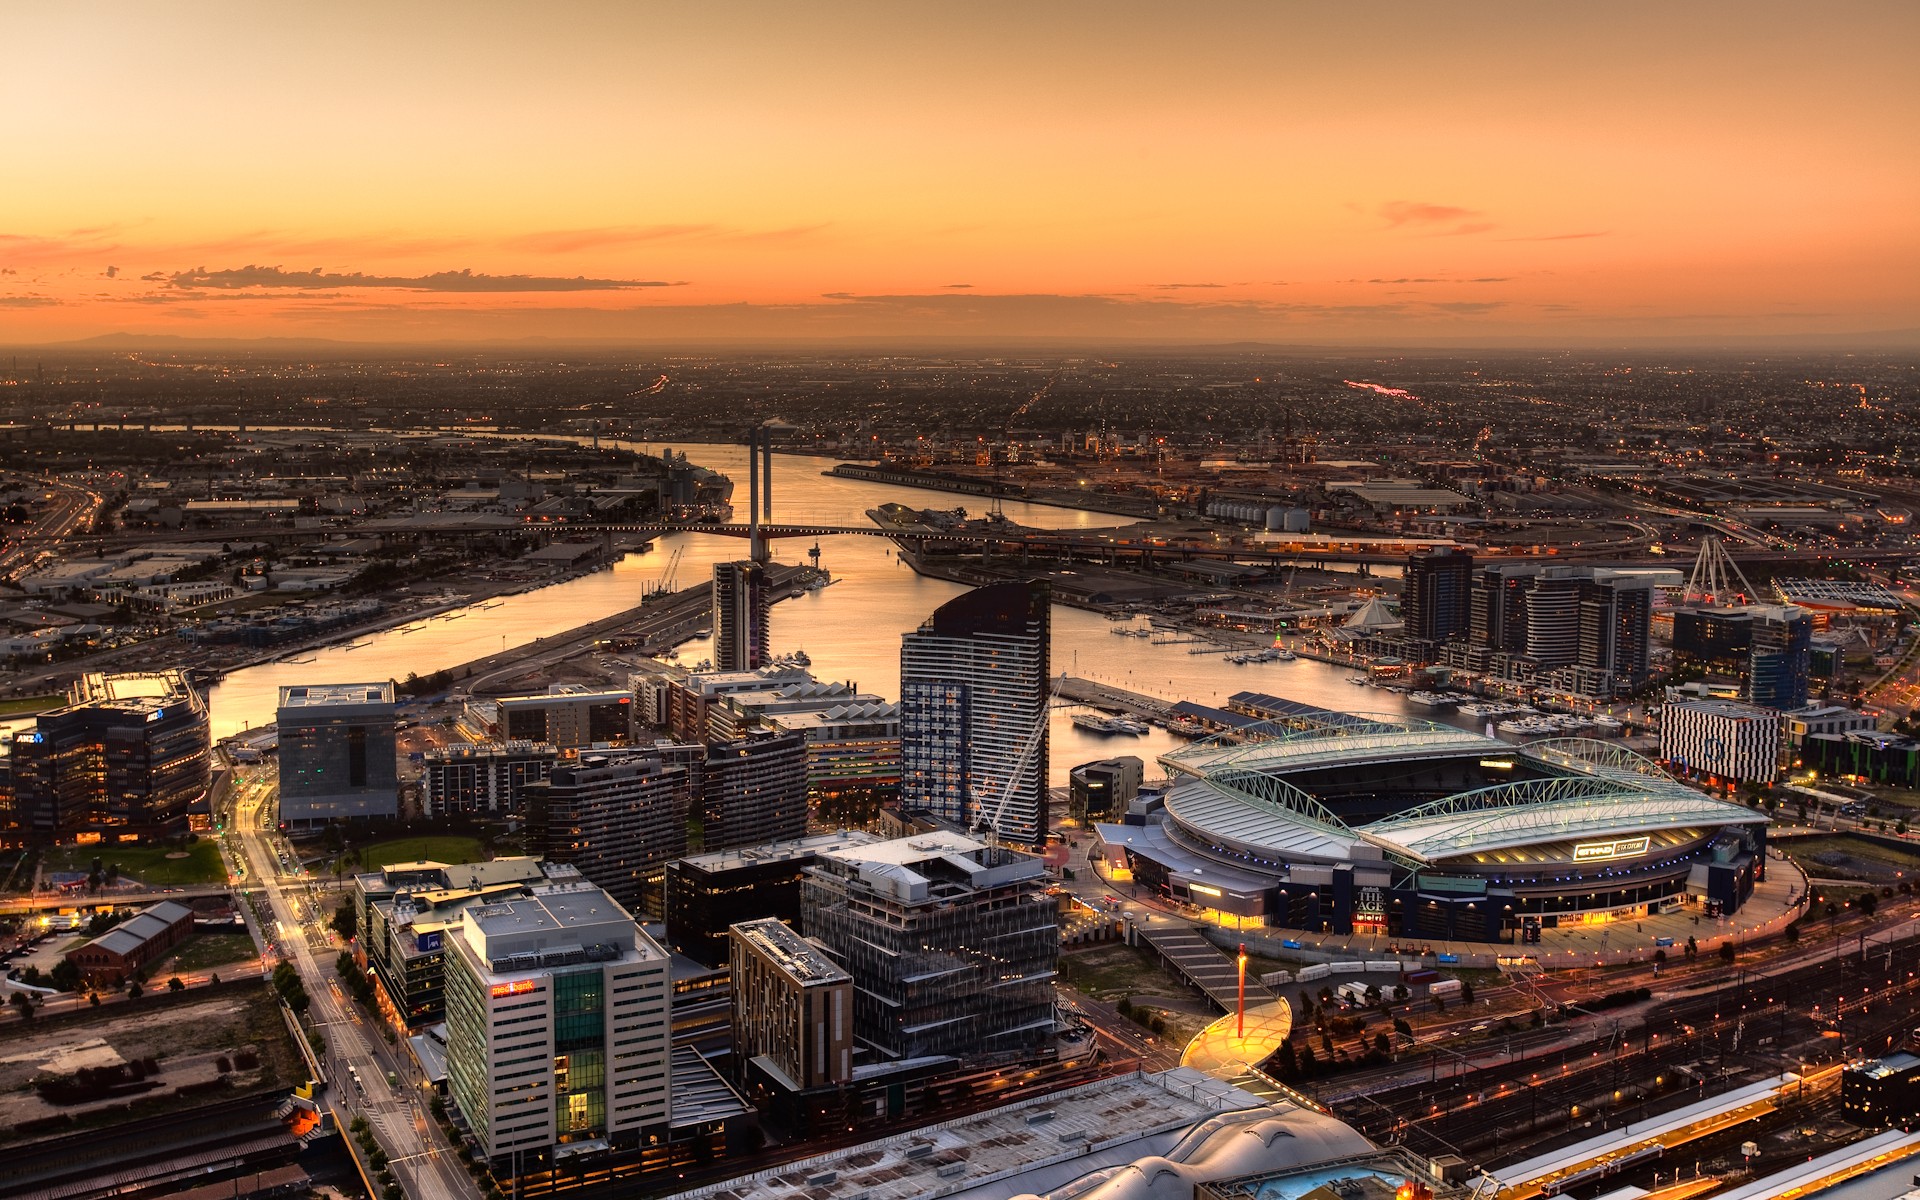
1203	964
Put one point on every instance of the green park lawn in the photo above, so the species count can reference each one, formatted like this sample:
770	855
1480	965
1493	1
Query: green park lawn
148	864
24	705
446	849
207	951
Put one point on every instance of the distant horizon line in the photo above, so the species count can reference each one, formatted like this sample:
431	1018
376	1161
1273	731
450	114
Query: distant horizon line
1895	341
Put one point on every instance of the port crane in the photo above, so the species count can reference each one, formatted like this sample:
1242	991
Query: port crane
665	586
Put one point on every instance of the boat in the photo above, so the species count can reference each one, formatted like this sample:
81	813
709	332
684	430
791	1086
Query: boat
1132	728
1093	723
492	604
1534	726
1280	655
1358	680
1431	699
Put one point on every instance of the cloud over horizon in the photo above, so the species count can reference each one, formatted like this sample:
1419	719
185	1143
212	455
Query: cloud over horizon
251	276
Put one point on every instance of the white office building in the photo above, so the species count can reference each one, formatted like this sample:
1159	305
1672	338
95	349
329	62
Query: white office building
1721	740
559	1038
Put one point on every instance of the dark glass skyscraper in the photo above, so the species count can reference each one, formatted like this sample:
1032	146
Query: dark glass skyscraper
1779	668
129	758
1437	603
973	710
741	608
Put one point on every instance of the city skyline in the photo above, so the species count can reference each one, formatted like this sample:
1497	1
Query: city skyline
1401	175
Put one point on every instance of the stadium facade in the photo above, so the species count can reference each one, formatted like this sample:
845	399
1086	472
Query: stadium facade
1340	823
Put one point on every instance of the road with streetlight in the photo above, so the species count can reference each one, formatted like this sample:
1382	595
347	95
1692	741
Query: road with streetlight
359	1084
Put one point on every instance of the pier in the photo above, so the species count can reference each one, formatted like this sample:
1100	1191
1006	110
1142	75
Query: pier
1107	698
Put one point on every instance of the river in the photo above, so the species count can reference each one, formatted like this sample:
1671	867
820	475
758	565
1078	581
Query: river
851	629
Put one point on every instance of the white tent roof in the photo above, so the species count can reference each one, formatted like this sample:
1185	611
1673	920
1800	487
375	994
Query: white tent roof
1374	614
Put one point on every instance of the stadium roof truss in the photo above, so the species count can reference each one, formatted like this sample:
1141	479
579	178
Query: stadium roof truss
1605	788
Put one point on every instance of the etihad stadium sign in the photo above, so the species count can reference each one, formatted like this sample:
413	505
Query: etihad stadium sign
1618	848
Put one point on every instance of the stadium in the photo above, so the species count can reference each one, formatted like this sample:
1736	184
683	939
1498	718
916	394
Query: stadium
1344	823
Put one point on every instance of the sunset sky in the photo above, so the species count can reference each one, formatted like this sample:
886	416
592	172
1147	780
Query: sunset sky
655	173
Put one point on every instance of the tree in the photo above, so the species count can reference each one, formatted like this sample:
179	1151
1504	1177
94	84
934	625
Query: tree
1726	952
1693	948
1383	1044
1466	991
176	985
1405	1030
133	989
93	998
19	1000
344	920
1660	956
1286	1063
1869	903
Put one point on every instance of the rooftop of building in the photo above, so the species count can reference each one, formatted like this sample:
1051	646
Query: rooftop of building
909	850
996	1153
467	751
127	938
877	712
1409	492
335	695
1825	712
566	693
934	866
555	925
139	690
799	959
557	909
519	868
1731	709
700	1095
1881	1068
798	848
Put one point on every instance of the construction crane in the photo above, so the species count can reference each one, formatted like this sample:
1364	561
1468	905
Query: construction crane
667	577
989	823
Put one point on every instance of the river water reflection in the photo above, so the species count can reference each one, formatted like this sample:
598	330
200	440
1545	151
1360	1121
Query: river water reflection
851	630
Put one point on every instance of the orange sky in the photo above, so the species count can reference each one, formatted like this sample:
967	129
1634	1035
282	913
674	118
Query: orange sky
662	173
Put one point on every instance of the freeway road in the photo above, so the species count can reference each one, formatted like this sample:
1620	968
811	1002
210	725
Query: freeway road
426	1169
73	508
